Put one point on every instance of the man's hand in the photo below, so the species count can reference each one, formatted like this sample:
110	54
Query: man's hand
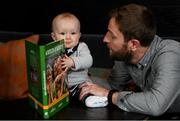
90	88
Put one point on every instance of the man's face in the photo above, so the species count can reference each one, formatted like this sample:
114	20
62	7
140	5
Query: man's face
118	48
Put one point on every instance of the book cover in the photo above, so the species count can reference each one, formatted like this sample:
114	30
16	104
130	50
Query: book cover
48	91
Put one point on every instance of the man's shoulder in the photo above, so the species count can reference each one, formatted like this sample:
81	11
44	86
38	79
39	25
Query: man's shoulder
165	44
170	44
168	48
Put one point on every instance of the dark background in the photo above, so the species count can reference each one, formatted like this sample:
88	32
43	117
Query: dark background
36	15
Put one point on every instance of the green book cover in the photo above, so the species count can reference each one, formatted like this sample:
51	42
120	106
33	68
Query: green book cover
48	91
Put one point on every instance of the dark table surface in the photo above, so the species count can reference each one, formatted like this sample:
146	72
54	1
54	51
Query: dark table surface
20	109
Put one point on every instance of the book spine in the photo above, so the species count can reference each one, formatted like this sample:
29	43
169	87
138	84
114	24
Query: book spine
43	75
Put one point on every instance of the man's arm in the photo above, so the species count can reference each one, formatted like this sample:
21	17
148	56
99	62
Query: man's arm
161	88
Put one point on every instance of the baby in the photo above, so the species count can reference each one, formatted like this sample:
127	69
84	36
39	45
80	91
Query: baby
78	58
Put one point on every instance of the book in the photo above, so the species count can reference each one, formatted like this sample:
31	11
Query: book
47	85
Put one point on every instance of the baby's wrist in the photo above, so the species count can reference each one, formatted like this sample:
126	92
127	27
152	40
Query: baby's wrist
72	63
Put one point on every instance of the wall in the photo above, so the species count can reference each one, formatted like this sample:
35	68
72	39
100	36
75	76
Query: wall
36	15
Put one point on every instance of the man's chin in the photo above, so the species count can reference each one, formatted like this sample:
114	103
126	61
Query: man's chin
118	58
113	57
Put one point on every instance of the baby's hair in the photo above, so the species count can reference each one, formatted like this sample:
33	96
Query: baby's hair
65	15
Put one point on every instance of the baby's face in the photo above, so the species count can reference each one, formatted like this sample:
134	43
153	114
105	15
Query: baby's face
69	30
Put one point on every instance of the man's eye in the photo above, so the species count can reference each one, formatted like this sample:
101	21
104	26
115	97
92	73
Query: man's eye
62	33
113	37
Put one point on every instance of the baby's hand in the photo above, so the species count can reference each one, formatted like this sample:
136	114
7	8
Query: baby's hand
67	62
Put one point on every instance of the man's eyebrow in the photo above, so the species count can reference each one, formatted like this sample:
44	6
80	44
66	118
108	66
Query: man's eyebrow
109	30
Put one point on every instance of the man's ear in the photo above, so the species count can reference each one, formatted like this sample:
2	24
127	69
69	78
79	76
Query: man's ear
134	44
53	36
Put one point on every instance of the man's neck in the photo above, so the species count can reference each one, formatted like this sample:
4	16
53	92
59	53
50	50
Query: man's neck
138	54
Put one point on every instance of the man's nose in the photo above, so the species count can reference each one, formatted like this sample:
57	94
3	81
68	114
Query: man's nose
105	39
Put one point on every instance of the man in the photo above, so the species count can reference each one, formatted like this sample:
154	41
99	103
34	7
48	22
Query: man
142	56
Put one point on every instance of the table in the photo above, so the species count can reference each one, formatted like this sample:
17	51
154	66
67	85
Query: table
20	109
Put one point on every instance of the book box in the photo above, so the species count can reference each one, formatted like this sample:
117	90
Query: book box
47	87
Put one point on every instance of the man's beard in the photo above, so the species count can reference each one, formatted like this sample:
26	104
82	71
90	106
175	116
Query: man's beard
122	54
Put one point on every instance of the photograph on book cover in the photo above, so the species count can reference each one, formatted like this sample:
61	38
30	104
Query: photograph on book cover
55	77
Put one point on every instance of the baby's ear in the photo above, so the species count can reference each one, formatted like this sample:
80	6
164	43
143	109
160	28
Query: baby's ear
53	36
79	35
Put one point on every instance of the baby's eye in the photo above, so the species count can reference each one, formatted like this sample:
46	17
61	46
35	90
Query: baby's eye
62	33
73	33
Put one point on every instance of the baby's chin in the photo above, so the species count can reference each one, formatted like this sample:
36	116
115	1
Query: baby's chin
68	46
